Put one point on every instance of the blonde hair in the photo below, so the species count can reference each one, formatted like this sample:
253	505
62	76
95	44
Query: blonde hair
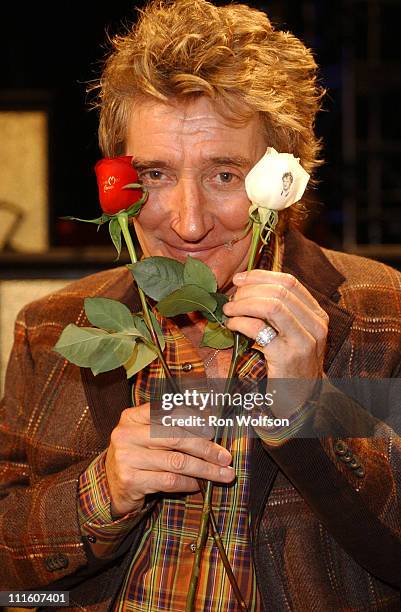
186	48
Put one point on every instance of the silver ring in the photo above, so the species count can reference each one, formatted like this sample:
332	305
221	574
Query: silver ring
265	336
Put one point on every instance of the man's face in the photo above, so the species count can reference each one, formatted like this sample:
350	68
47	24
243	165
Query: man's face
286	183
194	164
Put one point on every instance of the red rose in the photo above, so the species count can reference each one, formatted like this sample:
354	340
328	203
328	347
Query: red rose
112	174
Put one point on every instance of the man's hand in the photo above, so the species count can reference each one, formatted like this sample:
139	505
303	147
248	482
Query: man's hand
302	325
137	464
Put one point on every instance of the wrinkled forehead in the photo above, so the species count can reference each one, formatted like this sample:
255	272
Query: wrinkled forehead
191	129
191	109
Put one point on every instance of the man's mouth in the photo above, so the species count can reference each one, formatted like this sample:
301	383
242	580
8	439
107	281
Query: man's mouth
191	249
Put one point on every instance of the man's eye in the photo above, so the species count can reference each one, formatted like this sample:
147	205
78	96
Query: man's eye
226	177
153	175
150	177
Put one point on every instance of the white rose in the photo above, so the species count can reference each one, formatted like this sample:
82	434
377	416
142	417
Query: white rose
276	181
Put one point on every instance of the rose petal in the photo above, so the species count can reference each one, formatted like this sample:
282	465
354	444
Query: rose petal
112	174
276	181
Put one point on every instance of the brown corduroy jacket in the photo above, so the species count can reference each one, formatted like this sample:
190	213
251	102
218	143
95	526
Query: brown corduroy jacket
326	537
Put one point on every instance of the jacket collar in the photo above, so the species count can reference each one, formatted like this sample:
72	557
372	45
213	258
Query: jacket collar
308	263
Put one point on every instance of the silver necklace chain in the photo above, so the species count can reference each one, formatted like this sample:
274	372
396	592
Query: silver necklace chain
209	360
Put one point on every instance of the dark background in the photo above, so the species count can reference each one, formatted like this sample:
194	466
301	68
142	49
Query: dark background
51	51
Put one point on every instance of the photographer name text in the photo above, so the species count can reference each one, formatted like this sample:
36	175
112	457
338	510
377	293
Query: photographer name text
243	420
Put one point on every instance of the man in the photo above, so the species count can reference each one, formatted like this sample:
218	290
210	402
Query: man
287	179
91	502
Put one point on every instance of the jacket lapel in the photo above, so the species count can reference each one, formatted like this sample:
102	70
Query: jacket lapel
307	262
108	394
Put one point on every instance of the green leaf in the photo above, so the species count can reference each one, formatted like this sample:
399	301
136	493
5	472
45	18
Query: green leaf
142	327
113	351
93	348
133	210
186	299
221	299
217	336
132	186
158	331
109	314
98	220
244	342
115	233
141	356
158	276
77	344
218	314
198	273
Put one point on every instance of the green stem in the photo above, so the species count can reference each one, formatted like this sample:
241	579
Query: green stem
254	245
208	491
230	377
220	546
123	221
208	517
234	360
200	544
207	513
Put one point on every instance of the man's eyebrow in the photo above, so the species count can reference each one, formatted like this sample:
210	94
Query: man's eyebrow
230	160
227	160
151	163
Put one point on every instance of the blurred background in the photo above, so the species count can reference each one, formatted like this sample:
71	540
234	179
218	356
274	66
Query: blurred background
48	135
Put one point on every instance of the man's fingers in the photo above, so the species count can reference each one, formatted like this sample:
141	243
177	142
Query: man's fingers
135	415
292	299
148	482
137	464
247	317
200	447
288	316
279	279
195	446
179	463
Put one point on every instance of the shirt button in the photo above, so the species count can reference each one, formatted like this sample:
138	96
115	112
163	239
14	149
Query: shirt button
192	547
340	448
56	562
354	463
187	367
347	458
91	539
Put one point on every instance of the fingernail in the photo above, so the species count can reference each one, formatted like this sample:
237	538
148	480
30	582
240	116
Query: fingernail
226	471
224	457
240	276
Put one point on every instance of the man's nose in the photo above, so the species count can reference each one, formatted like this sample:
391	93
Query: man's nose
192	219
